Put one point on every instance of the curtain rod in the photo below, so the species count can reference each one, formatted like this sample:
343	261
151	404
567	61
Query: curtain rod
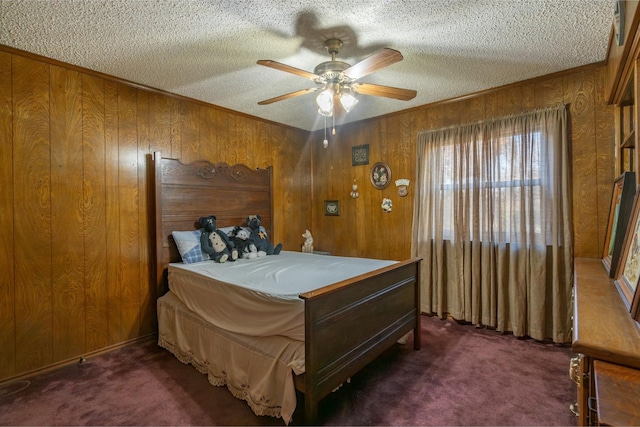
495	119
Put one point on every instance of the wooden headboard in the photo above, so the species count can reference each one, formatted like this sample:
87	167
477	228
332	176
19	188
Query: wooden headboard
184	192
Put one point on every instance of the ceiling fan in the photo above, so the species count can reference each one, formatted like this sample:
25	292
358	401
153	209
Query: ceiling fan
337	80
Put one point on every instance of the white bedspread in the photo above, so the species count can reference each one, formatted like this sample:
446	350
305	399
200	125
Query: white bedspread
259	297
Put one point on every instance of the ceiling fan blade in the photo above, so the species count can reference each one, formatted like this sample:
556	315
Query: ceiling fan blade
287	68
380	59
287	96
386	91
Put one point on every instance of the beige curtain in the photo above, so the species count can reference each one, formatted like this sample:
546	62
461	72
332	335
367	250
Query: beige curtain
492	220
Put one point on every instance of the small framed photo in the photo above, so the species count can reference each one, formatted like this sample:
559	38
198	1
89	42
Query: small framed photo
332	207
627	280
360	155
618	22
380	175
624	189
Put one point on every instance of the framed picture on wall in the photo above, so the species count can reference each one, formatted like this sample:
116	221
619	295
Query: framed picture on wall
380	175
618	22
627	280
332	207
624	190
360	155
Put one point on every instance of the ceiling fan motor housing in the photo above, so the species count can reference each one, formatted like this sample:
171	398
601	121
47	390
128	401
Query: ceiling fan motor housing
332	72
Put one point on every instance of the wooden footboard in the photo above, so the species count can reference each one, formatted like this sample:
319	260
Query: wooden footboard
350	323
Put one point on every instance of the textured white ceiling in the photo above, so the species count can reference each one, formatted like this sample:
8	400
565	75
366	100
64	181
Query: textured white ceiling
207	50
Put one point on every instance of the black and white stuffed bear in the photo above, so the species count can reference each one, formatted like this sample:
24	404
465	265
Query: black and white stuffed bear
215	242
242	240
259	237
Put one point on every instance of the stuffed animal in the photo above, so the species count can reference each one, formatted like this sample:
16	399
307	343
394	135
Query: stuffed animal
242	240
259	237
215	242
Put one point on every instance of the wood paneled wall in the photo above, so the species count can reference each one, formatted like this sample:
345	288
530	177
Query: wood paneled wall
76	210
363	229
76	206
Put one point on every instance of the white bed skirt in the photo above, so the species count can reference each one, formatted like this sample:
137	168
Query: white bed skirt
258	370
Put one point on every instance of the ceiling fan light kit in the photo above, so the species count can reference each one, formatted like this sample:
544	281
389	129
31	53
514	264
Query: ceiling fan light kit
326	97
336	80
325	102
347	101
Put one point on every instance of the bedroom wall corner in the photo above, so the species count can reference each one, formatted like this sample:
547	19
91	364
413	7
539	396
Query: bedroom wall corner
74	165
364	229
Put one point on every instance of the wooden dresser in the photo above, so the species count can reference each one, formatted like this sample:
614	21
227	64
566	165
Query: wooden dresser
603	331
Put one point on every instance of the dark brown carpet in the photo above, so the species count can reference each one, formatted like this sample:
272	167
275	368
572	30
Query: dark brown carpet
462	376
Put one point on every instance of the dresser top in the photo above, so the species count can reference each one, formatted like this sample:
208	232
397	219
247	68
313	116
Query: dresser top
602	326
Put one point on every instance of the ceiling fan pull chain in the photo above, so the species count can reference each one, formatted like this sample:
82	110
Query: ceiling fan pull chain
325	143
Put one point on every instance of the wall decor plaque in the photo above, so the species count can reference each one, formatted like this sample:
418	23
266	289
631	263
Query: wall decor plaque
380	175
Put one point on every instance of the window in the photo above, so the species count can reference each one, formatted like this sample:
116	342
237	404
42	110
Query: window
492	218
492	188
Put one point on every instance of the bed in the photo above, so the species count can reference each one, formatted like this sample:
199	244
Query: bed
378	306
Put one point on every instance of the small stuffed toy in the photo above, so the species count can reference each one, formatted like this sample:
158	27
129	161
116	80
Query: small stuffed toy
259	237
215	242
242	240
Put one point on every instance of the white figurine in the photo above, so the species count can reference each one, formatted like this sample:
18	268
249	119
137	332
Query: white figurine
307	247
386	205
